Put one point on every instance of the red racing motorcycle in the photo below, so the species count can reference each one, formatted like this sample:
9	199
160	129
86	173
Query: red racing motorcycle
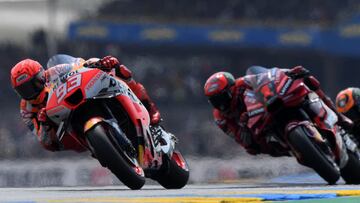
284	110
102	114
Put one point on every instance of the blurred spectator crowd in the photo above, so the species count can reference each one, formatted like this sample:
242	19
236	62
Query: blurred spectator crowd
229	11
174	78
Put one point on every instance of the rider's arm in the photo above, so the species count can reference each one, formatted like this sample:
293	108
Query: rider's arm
110	63
314	85
47	137
28	117
139	90
243	82
239	132
44	133
311	82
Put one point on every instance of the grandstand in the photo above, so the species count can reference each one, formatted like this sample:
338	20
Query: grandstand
229	11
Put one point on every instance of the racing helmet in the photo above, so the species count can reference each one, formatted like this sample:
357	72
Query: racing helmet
347	103
218	90
28	79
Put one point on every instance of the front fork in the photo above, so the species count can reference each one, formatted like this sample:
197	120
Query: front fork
325	120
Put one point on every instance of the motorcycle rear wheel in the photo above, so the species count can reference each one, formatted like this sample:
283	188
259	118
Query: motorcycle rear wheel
351	171
174	172
113	159
312	157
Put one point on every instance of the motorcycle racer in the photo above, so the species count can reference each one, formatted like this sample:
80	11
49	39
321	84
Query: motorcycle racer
31	81
226	94
348	103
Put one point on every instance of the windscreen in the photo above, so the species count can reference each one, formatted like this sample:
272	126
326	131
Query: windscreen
253	70
61	59
264	84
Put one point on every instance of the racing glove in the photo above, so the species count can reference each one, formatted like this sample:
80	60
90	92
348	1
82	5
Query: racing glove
298	72
246	140
41	116
47	134
108	63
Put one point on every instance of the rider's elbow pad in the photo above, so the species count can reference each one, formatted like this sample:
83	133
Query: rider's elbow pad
312	83
123	72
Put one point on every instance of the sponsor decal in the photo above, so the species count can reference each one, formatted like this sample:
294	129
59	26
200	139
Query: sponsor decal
94	80
213	87
55	110
256	112
285	88
67	87
156	34
226	36
112	83
22	78
297	37
132	96
67	75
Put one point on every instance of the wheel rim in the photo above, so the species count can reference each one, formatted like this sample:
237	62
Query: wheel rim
179	161
138	170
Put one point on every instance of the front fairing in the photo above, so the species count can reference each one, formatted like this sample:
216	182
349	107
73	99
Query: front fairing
274	86
256	111
78	86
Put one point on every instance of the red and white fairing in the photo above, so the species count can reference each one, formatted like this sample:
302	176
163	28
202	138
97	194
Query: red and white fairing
92	84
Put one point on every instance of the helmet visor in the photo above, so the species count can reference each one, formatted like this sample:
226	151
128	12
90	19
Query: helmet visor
221	101
31	89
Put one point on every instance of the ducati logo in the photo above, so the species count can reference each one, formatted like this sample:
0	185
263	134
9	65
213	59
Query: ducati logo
256	112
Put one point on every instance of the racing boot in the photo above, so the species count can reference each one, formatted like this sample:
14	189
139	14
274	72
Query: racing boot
163	140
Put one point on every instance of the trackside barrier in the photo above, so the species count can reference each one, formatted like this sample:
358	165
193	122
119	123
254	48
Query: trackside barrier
88	172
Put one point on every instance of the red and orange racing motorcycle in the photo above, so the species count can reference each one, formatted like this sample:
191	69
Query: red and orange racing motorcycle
102	114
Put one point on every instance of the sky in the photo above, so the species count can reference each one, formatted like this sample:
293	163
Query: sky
18	18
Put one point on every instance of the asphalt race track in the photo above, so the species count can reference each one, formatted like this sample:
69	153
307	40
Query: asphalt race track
217	193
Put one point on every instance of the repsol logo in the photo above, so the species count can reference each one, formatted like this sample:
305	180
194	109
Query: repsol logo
256	112
67	75
285	88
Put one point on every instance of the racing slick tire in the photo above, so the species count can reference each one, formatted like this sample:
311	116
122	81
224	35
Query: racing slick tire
311	156
109	155
174	172
351	171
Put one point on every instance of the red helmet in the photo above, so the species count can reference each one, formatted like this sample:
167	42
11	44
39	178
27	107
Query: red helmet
28	79
217	89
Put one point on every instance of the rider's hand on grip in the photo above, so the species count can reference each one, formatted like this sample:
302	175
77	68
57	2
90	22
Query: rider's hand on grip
298	72
244	118
345	123
41	116
108	63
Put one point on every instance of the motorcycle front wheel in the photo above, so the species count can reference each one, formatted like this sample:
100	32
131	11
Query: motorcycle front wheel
110	155
312	156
